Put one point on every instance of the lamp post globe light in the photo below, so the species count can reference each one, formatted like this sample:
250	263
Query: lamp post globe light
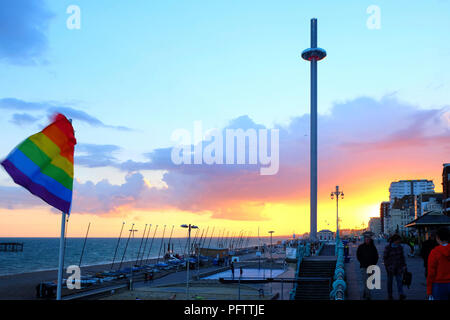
338	193
189	227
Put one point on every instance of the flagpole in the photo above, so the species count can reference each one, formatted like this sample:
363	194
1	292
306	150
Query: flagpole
61	256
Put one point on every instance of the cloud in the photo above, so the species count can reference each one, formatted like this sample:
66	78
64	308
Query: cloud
95	155
83	116
18	198
22	119
358	136
363	143
23	31
16	104
52	108
104	197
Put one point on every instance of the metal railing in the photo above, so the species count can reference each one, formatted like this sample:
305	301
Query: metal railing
339	284
322	244
302	251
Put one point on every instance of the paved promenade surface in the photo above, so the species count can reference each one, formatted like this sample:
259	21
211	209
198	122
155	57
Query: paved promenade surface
269	289
417	290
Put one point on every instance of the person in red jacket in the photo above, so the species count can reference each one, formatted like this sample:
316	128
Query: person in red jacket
438	279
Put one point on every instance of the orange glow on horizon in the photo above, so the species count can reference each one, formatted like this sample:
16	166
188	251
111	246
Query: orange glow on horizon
362	200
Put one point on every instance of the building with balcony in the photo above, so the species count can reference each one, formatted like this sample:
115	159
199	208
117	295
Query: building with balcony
399	189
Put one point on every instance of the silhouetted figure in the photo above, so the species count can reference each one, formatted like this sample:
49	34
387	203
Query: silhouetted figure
394	261
427	246
438	279
232	270
367	255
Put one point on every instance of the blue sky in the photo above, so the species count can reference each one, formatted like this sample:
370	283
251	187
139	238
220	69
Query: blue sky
177	61
150	67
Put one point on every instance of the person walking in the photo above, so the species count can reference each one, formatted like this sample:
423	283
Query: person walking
411	243
395	264
427	246
367	255
438	279
232	270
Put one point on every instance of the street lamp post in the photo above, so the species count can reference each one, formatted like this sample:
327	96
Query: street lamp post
337	193
188	256
271	248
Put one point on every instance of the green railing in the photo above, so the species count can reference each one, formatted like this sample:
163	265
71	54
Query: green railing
339	284
322	244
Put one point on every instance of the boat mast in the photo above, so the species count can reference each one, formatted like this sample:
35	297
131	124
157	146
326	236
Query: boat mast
202	244
126	245
218	239
170	238
151	244
160	247
192	245
145	245
210	238
200	239
140	246
84	244
117	246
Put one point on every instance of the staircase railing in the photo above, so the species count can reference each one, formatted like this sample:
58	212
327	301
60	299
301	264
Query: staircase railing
322	244
339	284
301	252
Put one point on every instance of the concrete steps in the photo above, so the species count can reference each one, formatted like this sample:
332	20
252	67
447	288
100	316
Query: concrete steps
313	290
315	274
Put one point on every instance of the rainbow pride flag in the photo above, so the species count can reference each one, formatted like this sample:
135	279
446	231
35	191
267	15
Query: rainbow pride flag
43	163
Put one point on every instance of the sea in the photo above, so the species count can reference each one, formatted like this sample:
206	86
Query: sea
41	254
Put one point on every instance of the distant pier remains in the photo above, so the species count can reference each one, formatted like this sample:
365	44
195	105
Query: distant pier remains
11	247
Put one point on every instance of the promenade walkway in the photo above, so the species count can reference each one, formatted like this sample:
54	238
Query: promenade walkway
328	250
417	290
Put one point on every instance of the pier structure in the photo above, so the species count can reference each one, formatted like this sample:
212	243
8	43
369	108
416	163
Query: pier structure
11	247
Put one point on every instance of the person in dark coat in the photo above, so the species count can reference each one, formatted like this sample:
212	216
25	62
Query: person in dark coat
232	270
394	261
427	246
367	255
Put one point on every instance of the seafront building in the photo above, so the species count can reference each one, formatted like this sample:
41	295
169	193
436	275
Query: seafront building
401	212
408	199
415	204
384	213
426	202
399	189
325	235
396	221
375	225
446	189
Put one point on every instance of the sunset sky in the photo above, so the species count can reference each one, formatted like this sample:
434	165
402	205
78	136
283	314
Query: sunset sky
136	72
